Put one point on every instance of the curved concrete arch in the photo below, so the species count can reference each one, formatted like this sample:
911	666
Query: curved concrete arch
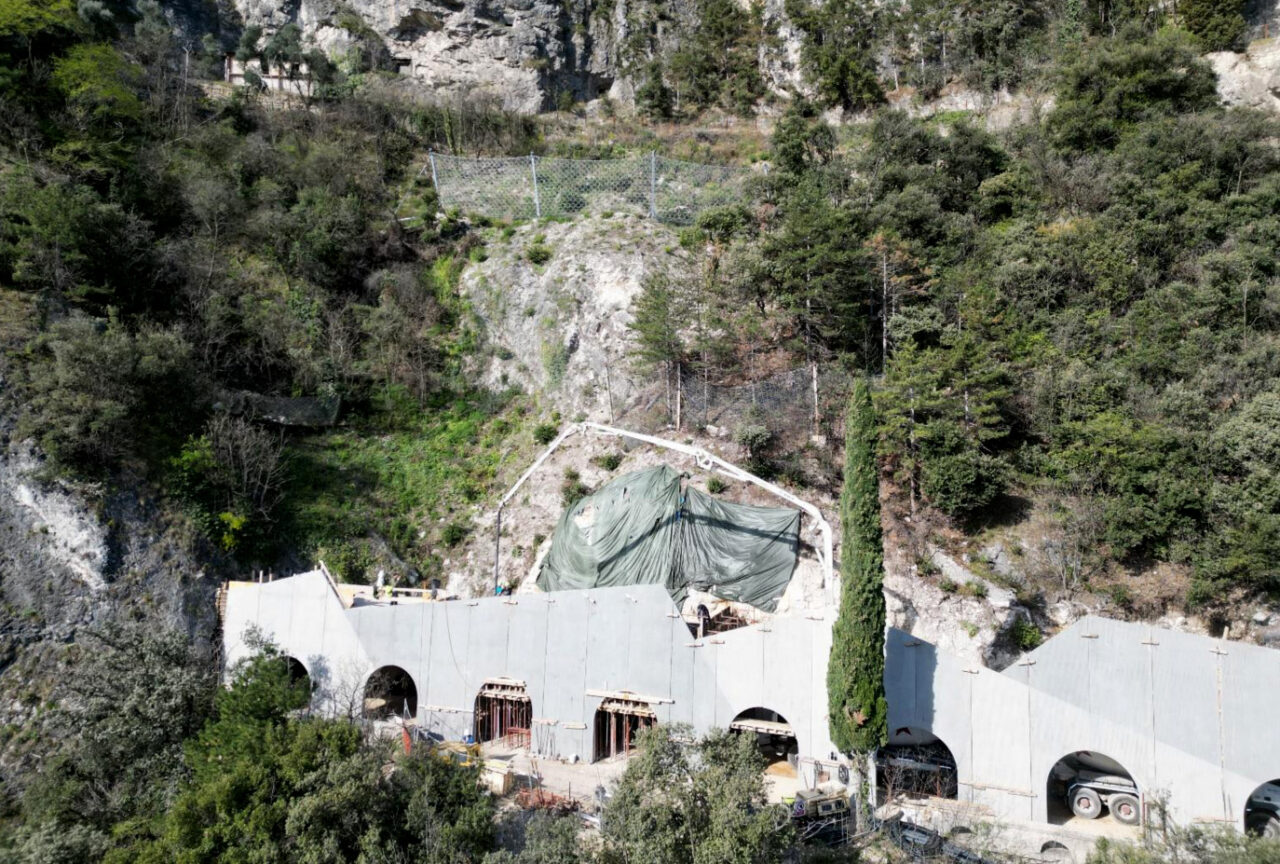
389	678
781	709
1082	764
297	662
918	761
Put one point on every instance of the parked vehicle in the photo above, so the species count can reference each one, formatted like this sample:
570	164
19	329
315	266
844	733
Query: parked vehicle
1089	792
820	803
1262	812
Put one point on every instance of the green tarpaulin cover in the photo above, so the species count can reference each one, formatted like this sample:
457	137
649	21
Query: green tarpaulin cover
643	529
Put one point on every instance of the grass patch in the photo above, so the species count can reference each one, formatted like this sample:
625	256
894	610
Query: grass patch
410	486
573	489
609	461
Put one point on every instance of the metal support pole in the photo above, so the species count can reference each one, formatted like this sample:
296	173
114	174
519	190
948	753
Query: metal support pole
435	182
653	184
497	546
533	169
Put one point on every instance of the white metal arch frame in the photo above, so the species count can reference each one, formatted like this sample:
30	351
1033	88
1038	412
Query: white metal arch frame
704	460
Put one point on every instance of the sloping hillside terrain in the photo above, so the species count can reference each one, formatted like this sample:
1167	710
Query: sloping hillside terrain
243	332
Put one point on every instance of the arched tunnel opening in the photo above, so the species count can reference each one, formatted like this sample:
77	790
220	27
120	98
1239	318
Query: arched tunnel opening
390	692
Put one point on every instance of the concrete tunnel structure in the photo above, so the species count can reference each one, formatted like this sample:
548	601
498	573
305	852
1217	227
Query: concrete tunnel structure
1191	719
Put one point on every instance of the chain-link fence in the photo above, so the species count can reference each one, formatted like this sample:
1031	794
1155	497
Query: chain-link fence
535	187
793	405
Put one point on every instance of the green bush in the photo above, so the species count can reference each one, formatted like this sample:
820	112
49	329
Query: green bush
454	533
545	433
1126	80
715	485
573	490
609	461
1025	635
960	484
538	254
974	588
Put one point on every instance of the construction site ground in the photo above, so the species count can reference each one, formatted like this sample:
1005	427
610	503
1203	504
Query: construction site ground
1071	839
573	780
579	780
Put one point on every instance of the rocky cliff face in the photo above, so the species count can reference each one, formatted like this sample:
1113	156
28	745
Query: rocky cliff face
520	54
73	558
526	55
560	328
1252	78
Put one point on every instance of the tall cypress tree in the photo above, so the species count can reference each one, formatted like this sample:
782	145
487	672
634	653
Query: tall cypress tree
855	670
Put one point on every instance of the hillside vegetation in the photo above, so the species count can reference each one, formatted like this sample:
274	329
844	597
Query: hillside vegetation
1079	316
1080	312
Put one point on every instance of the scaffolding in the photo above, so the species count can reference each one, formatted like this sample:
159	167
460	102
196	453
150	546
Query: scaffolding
504	713
618	723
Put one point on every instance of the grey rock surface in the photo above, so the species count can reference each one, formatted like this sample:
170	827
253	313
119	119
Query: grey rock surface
1250	79
74	558
560	329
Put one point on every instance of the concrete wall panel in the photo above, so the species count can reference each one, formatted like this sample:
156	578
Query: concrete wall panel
564	666
1152	707
1251	705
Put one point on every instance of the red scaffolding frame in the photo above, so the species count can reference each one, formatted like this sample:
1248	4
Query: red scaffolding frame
504	712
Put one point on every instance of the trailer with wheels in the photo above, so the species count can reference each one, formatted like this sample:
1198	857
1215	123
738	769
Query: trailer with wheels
1089	792
1262	812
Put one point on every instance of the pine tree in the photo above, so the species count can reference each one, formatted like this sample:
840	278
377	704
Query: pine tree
855	671
1216	24
658	316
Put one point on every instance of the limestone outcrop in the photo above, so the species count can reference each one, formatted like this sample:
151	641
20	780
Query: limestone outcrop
1251	79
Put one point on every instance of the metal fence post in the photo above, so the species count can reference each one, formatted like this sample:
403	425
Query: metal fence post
431	157
533	169
653	184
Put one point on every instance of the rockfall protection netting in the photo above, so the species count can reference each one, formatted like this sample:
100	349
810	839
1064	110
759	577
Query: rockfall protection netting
528	187
785	402
647	528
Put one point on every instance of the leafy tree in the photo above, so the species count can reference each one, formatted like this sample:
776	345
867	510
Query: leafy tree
547	840
838	50
126	702
653	97
855	671
660	314
815	272
1124	81
65	242
693	804
100	85
95	382
269	784
802	140
1216	24
717	64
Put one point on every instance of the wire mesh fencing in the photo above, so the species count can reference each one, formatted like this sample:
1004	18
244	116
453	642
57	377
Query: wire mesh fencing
793	405
667	190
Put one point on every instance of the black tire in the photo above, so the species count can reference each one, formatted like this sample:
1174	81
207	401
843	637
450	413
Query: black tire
1262	823
1125	808
1085	803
